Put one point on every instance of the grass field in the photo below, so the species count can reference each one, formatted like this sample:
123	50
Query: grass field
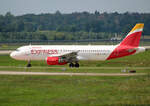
76	90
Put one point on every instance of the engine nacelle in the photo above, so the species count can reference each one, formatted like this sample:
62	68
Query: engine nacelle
55	61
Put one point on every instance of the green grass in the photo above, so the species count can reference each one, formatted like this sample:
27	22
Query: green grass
78	70
75	90
9	47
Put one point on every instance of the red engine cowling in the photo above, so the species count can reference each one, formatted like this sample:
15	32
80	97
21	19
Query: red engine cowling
55	61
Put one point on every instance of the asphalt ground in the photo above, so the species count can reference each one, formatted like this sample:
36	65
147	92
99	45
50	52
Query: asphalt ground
5	51
68	74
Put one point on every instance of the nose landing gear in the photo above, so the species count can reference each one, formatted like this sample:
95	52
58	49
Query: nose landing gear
29	64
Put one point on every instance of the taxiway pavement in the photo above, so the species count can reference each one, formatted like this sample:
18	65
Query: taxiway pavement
68	74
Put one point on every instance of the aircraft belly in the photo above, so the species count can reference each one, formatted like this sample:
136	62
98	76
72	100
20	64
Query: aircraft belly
38	57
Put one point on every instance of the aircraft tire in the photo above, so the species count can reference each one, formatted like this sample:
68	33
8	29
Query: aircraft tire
29	65
77	65
71	65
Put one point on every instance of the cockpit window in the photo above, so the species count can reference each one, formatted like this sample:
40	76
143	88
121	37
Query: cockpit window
18	49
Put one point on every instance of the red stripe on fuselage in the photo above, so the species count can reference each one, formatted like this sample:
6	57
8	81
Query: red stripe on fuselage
126	47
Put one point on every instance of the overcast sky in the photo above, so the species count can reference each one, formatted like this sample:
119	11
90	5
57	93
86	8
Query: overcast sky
19	7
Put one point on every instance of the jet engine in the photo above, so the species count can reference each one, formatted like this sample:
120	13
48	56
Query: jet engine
55	61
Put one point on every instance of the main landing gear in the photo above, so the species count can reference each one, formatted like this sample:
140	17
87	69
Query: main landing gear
29	64
71	65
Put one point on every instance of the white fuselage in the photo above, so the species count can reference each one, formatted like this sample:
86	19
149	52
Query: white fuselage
41	52
84	52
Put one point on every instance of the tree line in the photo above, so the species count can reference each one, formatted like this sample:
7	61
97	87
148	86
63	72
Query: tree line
52	35
73	26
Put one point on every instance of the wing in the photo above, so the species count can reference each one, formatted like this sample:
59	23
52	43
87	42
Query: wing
68	56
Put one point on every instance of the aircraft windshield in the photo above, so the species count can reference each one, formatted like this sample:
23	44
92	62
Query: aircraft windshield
18	50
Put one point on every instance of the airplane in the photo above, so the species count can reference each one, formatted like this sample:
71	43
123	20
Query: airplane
71	54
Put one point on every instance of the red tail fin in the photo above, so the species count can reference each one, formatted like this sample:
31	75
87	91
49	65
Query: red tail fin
133	37
129	43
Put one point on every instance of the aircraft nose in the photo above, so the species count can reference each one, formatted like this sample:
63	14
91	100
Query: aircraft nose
12	54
